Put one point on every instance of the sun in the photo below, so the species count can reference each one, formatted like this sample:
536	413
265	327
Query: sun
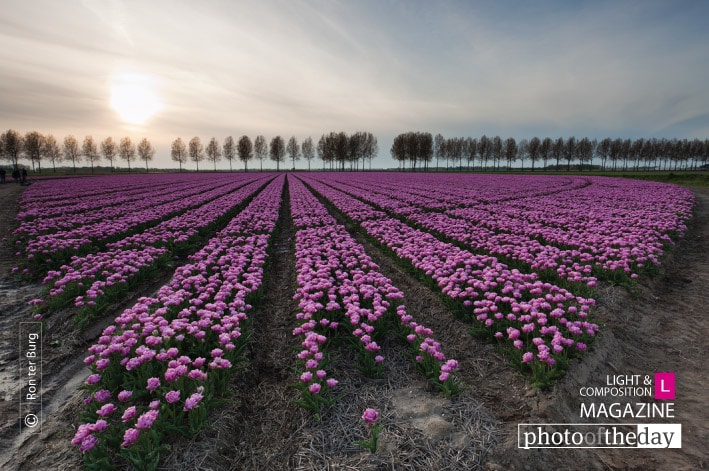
133	98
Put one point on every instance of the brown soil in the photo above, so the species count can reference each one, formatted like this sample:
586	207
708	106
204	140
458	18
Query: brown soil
661	327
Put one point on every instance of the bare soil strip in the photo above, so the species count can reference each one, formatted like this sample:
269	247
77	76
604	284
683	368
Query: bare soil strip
256	428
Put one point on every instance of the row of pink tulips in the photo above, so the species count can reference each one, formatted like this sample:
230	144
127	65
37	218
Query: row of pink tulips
607	225
340	287
49	195
418	211
158	367
105	207
554	321
448	191
88	278
156	209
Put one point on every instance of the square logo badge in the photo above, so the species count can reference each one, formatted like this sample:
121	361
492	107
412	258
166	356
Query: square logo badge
664	386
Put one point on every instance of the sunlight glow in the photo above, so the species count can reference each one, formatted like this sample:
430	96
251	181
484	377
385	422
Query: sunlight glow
133	98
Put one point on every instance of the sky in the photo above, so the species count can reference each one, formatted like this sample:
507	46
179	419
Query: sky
218	68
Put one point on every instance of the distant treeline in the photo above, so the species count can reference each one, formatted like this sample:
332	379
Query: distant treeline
420	149
38	148
336	150
340	151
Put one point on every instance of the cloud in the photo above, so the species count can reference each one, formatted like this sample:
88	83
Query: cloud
306	68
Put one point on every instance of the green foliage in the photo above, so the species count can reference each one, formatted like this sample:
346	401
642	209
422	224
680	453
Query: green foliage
372	442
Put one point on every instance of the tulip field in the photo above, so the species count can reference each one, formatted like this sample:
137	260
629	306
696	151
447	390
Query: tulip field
517	258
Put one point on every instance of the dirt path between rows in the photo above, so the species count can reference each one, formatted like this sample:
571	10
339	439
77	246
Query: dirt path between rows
662	327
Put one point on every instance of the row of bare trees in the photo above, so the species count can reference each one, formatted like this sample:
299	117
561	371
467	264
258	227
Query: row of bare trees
333	148
37	147
244	149
418	148
337	149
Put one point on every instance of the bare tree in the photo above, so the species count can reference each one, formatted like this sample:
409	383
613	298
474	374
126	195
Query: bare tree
340	142
648	151
705	152
471	147
260	149
126	150
108	149
196	151
570	152
522	151
333	147
12	145
557	150
680	153
614	153
293	150
323	152
308	150
371	149
229	150
245	149
214	153
509	150
398	149
625	152
496	148
602	150
636	151
438	151
545	150
89	149
424	147
662	152
179	152
484	149
277	151
584	151
71	150
453	152
52	151
415	147
145	151
33	148
534	150
356	144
